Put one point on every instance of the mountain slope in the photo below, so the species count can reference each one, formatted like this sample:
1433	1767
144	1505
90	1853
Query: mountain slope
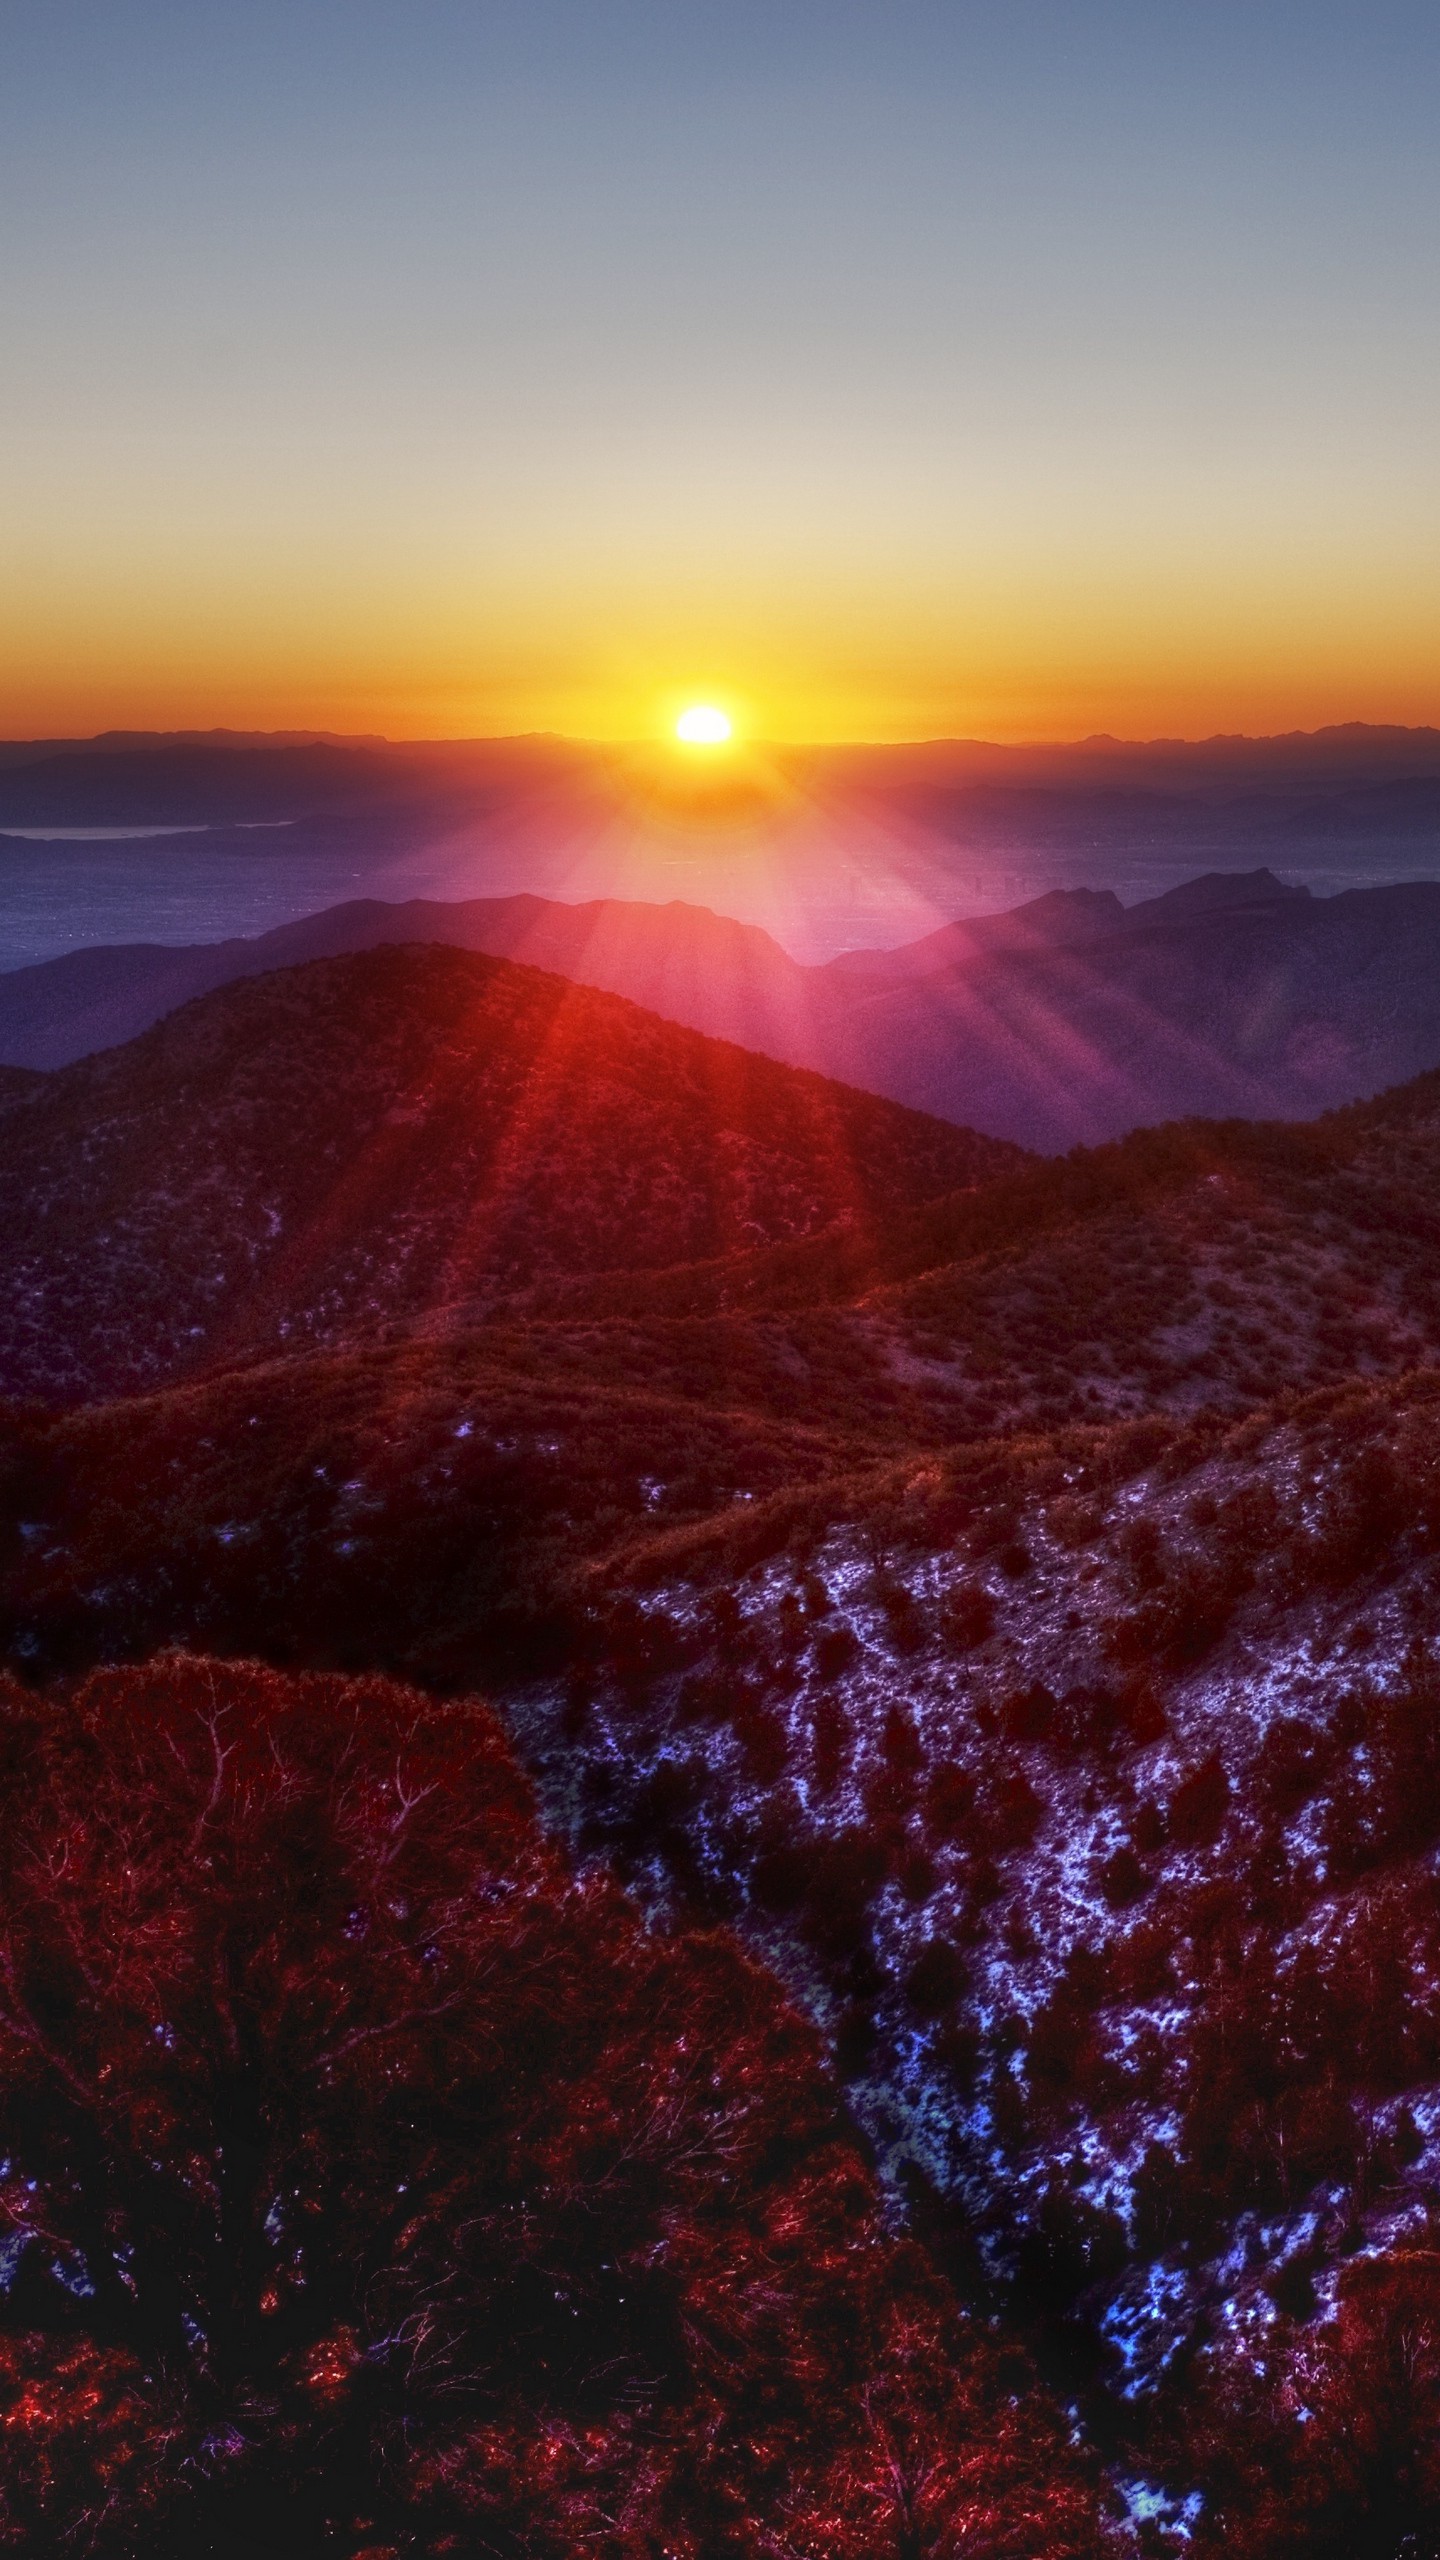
1015	1611
454	1492
1083	1782
445	2202
1063	1022
350	1145
1089	1786
703	970
1270	1006
1202	1265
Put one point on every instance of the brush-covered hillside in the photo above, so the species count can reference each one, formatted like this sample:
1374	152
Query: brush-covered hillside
1009	1602
368	1140
467	1476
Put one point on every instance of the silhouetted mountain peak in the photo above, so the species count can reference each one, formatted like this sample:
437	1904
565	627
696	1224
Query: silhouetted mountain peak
1060	917
1227	892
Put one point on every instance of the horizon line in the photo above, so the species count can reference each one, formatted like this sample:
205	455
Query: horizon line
220	734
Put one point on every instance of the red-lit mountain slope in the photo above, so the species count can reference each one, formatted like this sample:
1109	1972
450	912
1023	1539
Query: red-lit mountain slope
354	1144
472	1471
1083	1783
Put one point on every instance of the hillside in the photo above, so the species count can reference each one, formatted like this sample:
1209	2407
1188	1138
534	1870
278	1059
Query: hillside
1227	996
365	1141
700	969
1207	1265
1193	1280
1066	1021
1089	1787
1006	1592
1083	1785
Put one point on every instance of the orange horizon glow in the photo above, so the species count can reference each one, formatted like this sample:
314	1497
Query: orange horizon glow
1015	660
1059	629
1056	706
430	376
1012	656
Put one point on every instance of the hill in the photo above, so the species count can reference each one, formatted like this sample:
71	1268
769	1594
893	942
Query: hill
1183	1280
696	968
1082	1784
1065	1021
362	1142
1221	997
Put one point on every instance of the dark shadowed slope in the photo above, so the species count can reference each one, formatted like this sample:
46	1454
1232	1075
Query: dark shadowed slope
1084	1780
1063	1022
354	1144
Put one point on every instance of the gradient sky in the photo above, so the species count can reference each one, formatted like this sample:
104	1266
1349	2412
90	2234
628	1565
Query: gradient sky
890	369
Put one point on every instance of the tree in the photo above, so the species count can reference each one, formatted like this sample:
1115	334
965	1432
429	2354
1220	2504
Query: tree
1329	2448
375	2185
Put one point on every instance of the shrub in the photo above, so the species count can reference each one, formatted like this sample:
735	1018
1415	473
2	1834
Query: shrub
904	1617
935	1979
835	1649
1011	1811
832	1739
1028	1715
1330	2445
1122	1879
900	1743
1289	1766
949	1802
969	1615
1199	1805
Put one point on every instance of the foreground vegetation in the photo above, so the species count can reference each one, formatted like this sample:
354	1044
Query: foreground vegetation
372	2182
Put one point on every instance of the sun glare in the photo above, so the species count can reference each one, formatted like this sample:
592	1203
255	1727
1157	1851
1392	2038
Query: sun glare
703	726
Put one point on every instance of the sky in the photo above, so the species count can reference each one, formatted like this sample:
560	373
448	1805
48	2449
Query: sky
873	368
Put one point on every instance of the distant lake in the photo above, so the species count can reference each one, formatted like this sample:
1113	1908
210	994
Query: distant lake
120	835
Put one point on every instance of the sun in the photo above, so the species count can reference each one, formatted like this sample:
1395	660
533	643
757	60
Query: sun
703	726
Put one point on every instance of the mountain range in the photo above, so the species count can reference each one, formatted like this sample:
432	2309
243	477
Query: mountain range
828	848
1064	1021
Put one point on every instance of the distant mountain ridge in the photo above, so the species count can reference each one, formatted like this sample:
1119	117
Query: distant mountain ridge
1339	746
1061	1022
